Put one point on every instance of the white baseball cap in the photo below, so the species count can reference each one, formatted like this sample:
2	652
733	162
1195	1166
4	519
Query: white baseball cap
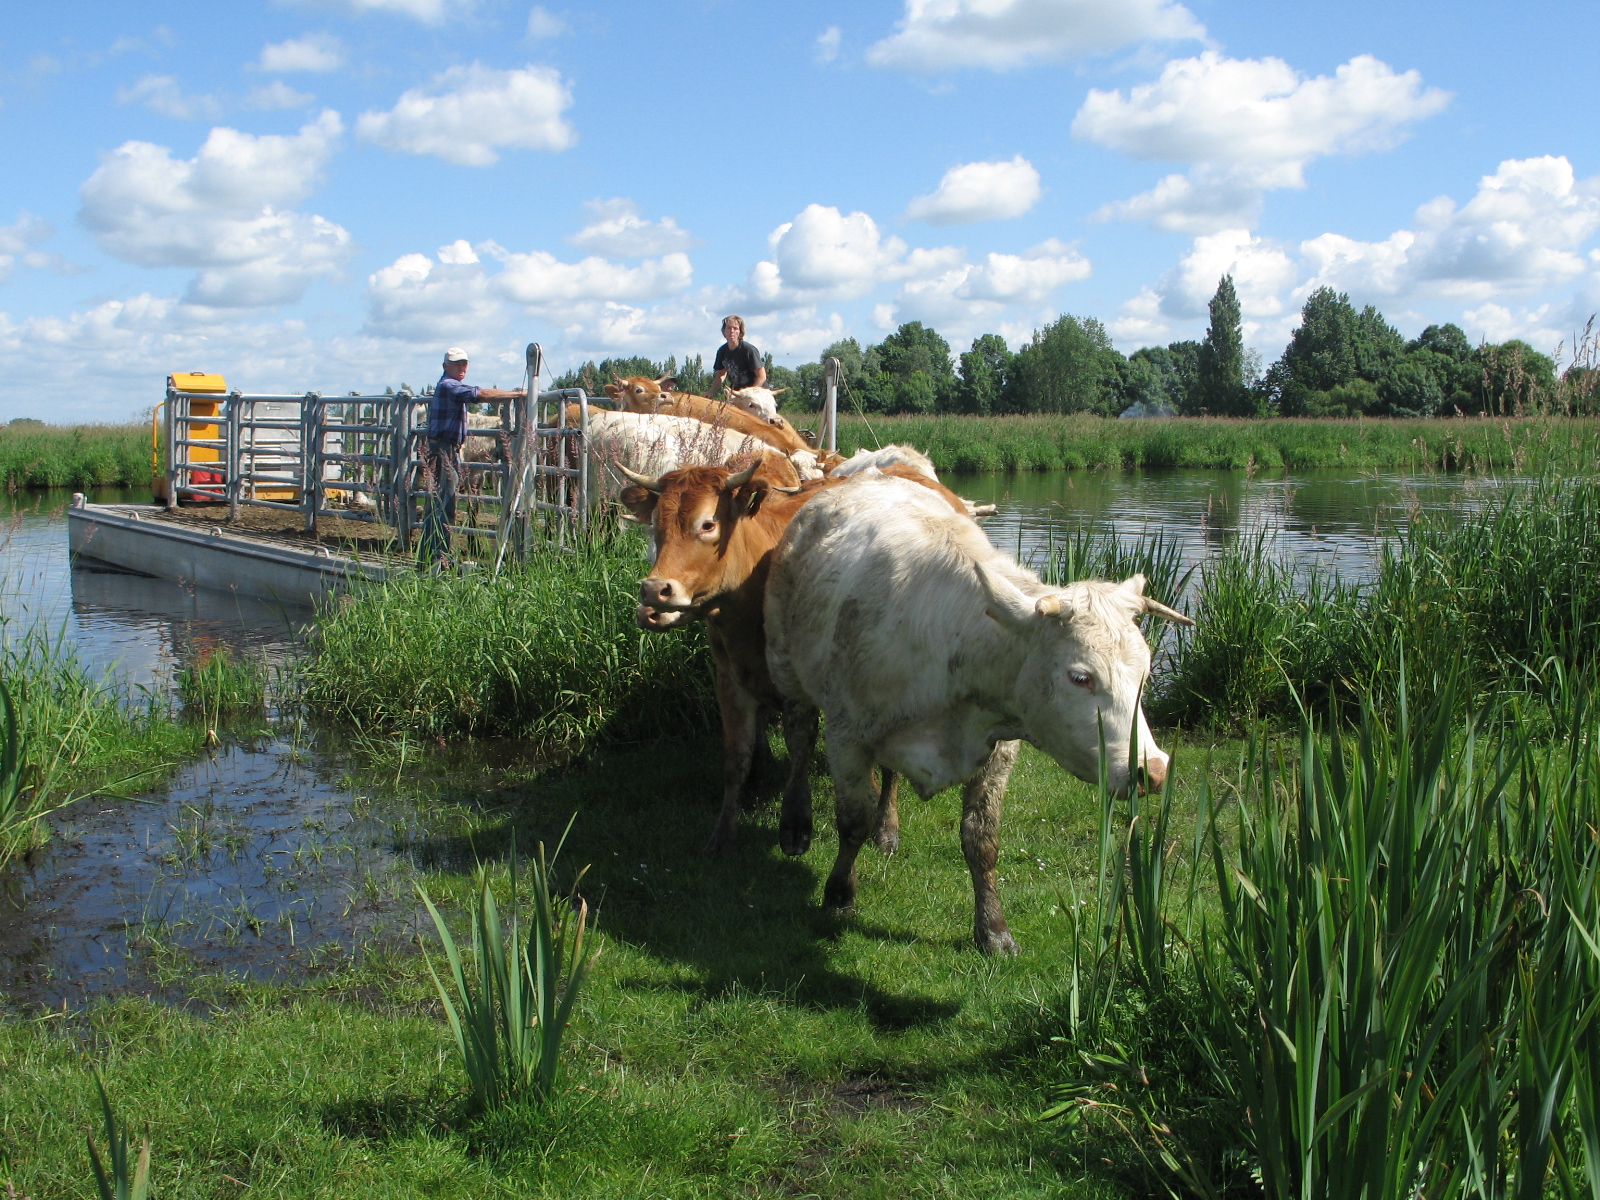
455	354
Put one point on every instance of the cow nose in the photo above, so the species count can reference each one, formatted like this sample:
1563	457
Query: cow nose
1155	773
656	592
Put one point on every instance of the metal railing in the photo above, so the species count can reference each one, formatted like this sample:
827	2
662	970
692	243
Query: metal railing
362	458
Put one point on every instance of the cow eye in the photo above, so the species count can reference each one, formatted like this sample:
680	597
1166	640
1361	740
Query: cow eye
1081	679
708	525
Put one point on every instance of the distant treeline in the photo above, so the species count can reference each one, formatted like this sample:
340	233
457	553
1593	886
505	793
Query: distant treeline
1338	363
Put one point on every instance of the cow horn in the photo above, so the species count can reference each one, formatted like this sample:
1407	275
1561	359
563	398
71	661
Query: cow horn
1161	610
650	483
737	481
778	391
787	491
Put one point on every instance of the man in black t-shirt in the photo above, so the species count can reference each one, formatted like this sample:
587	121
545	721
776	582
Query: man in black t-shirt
737	362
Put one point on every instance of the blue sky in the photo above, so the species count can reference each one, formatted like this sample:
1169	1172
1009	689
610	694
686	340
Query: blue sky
326	194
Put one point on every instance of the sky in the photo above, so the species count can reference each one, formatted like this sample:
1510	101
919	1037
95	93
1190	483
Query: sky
325	194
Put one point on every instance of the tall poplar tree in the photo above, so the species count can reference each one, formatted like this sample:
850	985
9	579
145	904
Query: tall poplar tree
1219	372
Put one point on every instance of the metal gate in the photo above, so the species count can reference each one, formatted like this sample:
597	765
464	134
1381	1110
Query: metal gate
362	458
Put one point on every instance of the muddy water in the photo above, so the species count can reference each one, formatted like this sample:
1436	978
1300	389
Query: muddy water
261	860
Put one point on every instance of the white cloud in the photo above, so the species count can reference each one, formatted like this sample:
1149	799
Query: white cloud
456	294
962	298
619	230
544	24
979	191
161	93
1523	230
823	253
1250	125
313	52
429	12
222	213
1000	34
827	46
17	241
277	95
466	113
1262	272
540	280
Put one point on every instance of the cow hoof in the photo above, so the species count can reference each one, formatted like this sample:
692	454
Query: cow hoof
888	840
794	840
1001	943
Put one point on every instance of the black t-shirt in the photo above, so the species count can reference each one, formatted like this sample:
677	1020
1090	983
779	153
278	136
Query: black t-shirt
741	363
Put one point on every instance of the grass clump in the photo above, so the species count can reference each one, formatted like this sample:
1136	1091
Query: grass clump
214	685
1508	591
546	650
1049	443
1391	990
121	1182
67	735
508	1029
80	456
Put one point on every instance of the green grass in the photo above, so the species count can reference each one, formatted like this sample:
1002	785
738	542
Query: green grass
80	456
68	734
733	1038
1047	443
546	651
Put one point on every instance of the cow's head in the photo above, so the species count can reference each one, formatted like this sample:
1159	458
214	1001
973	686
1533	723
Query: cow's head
757	401
639	393
1084	669
693	514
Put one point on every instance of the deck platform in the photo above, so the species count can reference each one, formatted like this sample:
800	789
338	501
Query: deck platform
133	537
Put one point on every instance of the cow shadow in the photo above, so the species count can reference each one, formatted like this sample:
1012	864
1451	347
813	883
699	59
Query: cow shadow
748	920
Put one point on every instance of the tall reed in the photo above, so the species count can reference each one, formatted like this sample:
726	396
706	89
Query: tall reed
215	685
1507	591
508	1027
122	1181
1048	443
1395	990
66	735
80	456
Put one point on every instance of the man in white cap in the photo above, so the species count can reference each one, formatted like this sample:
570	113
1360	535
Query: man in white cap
447	429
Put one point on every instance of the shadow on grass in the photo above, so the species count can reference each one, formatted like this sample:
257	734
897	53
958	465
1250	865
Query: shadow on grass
748	920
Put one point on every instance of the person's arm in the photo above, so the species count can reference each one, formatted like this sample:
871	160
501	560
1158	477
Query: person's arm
500	394
761	377
757	368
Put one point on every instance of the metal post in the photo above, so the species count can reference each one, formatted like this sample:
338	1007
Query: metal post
310	453
527	421
232	456
170	457
830	405
400	470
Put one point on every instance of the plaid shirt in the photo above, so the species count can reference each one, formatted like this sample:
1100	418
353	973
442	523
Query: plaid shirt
447	411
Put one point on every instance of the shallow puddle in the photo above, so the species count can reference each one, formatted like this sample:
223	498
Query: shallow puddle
255	862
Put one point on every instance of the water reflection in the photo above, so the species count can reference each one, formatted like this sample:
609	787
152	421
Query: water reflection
1333	519
137	628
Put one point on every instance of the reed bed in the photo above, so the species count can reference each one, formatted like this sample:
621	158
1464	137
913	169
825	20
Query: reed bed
547	651
79	456
1050	443
1391	987
1512	592
67	734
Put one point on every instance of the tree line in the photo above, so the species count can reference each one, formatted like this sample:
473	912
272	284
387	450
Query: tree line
1340	362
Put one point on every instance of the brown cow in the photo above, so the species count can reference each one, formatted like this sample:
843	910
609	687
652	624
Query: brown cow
713	532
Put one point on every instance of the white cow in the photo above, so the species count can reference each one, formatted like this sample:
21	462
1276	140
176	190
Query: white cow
900	456
757	401
655	443
930	653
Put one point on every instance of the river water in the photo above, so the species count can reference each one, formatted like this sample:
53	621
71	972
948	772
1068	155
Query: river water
265	858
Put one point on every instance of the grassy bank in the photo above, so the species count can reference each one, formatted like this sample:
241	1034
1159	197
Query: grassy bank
547	651
1511	593
1045	443
79	456
67	735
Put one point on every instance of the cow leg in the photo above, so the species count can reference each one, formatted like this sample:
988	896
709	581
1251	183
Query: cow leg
762	761
981	800
888	836
740	724
855	803
800	736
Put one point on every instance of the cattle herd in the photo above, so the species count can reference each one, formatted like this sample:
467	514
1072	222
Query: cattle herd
865	591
